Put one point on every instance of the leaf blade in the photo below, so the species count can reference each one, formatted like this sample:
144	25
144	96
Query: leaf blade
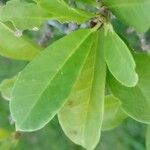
135	100
29	16
118	58
32	15
128	12
52	90
81	117
64	12
113	114
16	47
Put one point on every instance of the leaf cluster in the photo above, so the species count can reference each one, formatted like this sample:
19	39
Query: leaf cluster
90	78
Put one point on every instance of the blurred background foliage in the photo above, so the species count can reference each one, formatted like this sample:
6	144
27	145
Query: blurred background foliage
130	135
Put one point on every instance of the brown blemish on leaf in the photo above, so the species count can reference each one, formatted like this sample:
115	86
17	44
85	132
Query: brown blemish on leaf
70	103
74	132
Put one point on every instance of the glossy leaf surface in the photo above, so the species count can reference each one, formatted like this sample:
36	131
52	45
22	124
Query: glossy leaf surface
44	85
136	100
81	117
118	57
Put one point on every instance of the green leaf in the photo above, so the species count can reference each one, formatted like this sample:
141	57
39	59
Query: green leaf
118	57
81	117
59	10
136	100
32	15
113	114
16	47
6	87
44	85
23	15
132	12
